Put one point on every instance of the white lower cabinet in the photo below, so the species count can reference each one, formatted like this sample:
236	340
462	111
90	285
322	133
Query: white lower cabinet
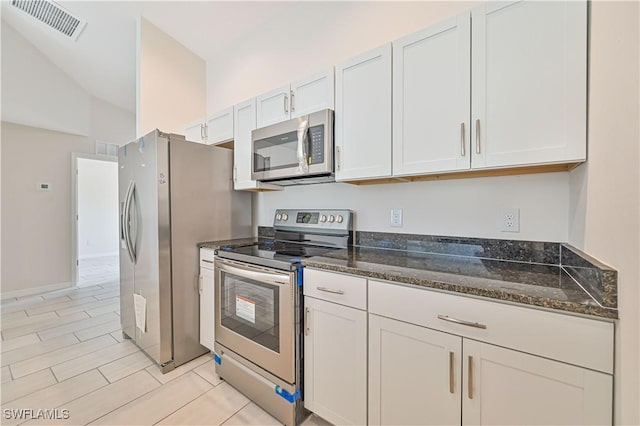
335	362
506	387
414	374
206	290
435	358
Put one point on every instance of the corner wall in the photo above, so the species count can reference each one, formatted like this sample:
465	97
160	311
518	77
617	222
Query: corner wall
605	192
171	82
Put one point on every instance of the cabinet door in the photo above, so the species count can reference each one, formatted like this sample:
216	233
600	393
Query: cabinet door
273	107
312	94
414	374
220	127
529	83
194	132
244	122
335	362
432	99
207	303
363	116
506	387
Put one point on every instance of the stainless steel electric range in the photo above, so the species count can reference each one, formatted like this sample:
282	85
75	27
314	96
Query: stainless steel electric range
259	308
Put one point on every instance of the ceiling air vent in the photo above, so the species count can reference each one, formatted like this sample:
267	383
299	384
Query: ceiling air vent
53	15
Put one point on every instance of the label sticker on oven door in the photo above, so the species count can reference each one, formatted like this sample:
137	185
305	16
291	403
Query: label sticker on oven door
246	309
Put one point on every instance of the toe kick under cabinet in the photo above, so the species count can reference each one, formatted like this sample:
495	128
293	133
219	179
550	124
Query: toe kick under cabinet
447	359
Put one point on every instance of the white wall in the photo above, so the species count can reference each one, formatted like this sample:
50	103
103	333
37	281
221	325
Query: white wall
36	225
171	82
97	208
605	193
461	207
316	36
37	93
45	118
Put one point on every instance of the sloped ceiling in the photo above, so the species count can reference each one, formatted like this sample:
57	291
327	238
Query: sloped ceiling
103	59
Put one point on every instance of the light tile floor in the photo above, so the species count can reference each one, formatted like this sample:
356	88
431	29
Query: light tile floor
64	350
98	270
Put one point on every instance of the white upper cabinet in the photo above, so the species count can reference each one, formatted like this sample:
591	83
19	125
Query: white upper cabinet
529	86
363	116
219	127
194	132
432	99
273	107
215	129
299	98
244	123
312	94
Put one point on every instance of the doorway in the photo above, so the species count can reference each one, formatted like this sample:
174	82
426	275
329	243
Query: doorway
95	221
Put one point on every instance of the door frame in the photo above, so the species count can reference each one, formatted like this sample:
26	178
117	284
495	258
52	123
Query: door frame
75	156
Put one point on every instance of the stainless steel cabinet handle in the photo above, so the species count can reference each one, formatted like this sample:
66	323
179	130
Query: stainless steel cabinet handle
462	149
293	103
206	130
200	284
235	174
306	321
470	378
286	101
330	290
202	131
451	381
337	158
207	261
462	322
478	136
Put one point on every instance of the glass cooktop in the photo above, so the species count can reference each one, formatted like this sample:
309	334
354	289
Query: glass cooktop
276	254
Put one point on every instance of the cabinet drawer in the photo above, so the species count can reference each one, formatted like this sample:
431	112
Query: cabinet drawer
206	258
339	288
571	339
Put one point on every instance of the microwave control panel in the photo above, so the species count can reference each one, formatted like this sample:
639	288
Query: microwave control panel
316	144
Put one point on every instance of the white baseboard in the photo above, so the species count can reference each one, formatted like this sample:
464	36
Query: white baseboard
33	290
95	256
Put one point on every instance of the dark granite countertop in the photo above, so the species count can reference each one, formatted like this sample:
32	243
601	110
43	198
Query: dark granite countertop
543	285
548	275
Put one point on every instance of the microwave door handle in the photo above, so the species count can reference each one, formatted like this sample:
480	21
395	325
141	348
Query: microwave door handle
303	131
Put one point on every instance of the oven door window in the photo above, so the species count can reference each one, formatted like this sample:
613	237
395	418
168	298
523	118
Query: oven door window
251	309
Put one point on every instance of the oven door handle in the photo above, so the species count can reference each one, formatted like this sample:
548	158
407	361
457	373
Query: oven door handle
282	280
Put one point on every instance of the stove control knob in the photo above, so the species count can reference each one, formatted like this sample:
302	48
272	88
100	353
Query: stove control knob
339	219
323	218
285	216
278	216
331	218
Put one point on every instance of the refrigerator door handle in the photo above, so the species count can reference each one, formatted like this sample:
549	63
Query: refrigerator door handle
133	238
126	222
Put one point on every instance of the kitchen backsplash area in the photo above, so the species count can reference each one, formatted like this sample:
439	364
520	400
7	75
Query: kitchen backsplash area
460	207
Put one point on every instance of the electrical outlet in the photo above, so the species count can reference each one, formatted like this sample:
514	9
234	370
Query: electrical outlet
510	219
396	218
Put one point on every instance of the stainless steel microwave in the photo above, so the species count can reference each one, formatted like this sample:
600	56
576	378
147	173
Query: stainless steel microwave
295	151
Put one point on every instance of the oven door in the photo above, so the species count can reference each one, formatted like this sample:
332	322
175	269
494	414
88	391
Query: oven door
255	315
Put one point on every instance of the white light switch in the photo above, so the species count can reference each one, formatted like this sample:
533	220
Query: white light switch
396	218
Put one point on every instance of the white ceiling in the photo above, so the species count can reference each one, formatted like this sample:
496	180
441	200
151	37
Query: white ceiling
102	60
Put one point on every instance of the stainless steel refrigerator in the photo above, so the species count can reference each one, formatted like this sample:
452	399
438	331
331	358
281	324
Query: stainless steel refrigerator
173	195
